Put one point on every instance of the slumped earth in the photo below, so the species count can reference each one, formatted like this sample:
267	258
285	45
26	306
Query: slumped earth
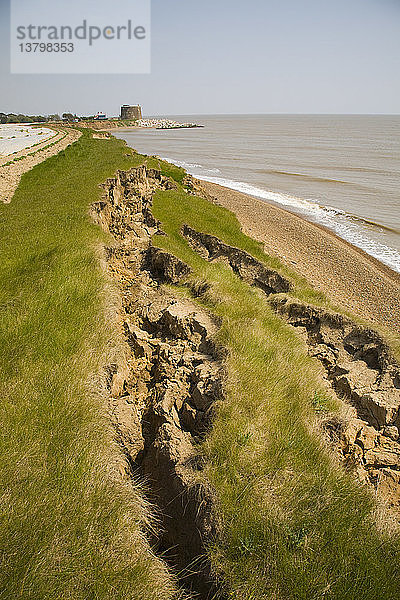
165	397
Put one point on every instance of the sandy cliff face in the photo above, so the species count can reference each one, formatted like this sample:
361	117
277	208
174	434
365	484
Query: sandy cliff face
358	366
162	397
362	371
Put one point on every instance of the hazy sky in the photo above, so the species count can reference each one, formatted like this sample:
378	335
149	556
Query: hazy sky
226	56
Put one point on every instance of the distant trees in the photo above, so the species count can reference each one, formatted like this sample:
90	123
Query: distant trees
13	118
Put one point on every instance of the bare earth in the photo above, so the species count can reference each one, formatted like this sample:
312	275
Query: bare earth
10	175
347	275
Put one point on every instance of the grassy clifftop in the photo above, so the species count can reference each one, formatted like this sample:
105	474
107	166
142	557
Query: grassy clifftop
295	524
69	528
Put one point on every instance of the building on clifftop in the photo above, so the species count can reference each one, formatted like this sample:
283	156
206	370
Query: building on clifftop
131	112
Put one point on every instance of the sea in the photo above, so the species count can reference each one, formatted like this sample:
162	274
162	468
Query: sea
342	172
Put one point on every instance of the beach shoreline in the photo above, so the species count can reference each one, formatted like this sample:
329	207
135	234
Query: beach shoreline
345	273
322	169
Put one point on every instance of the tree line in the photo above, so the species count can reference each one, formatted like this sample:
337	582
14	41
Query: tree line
14	118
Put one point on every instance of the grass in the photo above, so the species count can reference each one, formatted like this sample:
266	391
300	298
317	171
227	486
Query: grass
295	525
70	528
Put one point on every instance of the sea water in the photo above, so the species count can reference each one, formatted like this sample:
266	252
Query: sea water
339	171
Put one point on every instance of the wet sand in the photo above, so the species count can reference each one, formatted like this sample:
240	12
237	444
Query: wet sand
348	276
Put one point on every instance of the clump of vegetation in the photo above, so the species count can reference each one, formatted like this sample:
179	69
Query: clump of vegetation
14	118
178	174
320	403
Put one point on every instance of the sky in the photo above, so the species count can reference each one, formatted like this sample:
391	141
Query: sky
231	57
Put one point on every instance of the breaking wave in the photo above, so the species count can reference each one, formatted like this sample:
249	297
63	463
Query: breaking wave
347	226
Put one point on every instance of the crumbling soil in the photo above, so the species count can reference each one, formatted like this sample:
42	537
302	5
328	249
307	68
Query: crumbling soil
362	371
162	398
359	368
243	264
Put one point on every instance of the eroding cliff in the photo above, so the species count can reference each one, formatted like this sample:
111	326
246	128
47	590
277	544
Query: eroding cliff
362	371
359	368
162	397
164	394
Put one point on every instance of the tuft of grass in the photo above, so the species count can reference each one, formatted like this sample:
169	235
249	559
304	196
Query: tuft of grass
295	525
169	170
320	403
69	528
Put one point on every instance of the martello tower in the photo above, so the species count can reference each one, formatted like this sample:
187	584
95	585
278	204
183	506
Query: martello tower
131	112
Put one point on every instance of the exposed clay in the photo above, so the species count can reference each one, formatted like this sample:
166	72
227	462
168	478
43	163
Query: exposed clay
162	399
358	365
243	264
165	266
361	370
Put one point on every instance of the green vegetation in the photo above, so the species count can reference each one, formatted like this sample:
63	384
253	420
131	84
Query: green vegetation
295	525
167	169
13	118
69	527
